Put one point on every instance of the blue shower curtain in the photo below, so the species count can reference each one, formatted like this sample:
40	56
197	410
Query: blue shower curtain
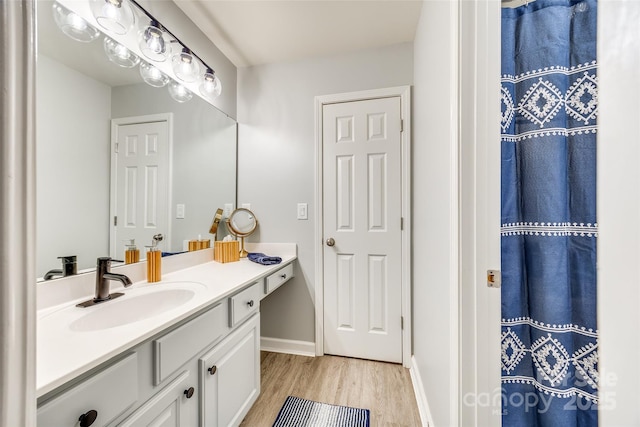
549	228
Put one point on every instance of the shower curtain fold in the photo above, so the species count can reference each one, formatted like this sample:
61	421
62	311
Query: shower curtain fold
548	219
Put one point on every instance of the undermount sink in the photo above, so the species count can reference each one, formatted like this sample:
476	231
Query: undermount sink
136	305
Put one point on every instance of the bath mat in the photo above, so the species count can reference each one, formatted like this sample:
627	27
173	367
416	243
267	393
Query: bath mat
297	412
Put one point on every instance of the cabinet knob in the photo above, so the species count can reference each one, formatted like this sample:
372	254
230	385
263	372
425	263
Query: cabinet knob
189	392
250	303
87	419
283	276
212	370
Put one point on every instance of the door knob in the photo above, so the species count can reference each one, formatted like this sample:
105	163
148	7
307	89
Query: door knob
330	241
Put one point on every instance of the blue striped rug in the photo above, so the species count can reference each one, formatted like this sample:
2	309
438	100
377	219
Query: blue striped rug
297	412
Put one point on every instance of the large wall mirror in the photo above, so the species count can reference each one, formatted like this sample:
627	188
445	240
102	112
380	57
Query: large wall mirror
81	97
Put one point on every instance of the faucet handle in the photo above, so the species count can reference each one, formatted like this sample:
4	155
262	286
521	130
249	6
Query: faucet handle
104	261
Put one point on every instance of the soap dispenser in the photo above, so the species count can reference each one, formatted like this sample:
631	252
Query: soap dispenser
154	260
131	253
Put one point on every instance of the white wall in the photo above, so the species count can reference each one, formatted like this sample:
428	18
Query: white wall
435	222
619	211
72	166
276	159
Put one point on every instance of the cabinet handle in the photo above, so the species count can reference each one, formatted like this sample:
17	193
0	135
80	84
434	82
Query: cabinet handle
87	419
284	276
250	303
212	370
189	392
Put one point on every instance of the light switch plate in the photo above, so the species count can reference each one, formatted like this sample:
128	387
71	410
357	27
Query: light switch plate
302	211
180	211
228	208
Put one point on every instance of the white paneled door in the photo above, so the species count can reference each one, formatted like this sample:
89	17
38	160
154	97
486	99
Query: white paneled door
362	192
141	185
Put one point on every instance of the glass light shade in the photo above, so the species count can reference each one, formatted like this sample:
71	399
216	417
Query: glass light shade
113	15
120	55
210	86
73	25
154	43
152	75
185	66
179	92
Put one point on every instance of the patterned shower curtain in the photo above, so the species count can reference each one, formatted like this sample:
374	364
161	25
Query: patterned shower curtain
548	231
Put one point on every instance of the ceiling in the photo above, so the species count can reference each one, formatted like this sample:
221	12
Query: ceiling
253	32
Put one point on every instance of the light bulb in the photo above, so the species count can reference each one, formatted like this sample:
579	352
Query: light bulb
185	66
210	86
179	92
73	25
113	15
153	42
77	23
119	54
152	75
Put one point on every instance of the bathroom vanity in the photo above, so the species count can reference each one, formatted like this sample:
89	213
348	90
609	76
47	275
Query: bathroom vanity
184	351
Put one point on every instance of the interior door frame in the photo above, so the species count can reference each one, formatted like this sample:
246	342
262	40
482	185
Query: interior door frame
115	123
404	92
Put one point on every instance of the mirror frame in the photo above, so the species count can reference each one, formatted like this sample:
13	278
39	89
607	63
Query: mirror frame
237	232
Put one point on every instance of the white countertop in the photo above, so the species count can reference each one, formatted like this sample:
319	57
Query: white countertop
63	354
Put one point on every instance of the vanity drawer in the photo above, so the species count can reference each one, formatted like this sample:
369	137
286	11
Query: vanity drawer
109	393
176	348
274	281
244	303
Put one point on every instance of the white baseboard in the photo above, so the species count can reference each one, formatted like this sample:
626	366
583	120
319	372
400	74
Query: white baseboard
278	345
421	397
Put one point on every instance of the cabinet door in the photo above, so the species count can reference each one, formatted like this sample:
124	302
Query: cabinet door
171	407
230	377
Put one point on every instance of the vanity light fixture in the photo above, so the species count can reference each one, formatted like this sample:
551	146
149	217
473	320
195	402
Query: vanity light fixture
153	42
210	86
117	17
73	25
178	92
152	75
185	66
119	54
113	15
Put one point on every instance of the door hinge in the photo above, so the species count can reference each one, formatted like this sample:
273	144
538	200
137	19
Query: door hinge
116	147
401	125
115	221
401	223
402	322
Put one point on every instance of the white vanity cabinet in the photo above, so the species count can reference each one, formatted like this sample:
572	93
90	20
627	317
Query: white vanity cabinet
277	279
230	377
174	406
96	400
166	381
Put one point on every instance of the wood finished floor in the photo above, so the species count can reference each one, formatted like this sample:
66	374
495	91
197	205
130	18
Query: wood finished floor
383	388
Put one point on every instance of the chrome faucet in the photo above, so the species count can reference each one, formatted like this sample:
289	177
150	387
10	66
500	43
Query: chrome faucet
103	276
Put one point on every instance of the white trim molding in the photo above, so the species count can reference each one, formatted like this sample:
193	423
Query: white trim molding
278	345
404	92
17	214
421	396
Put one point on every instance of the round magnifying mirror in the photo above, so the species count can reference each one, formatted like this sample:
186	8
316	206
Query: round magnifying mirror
242	222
